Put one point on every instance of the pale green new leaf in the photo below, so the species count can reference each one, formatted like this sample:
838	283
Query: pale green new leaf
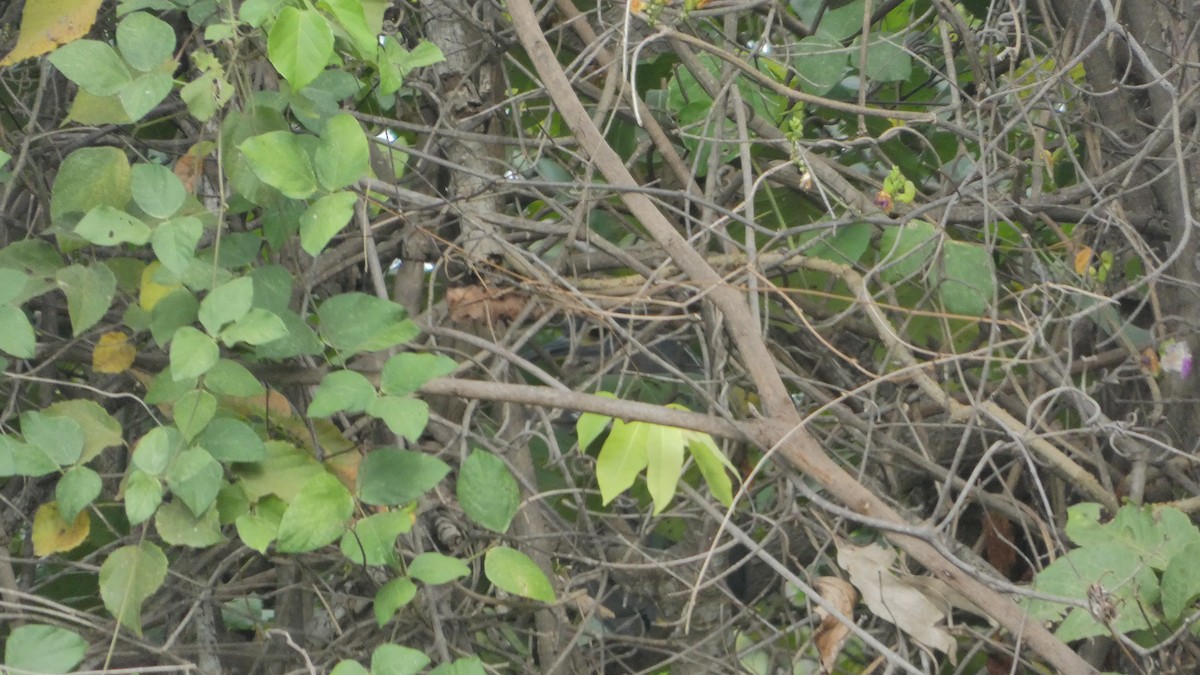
324	219
299	45
129	576
514	572
621	459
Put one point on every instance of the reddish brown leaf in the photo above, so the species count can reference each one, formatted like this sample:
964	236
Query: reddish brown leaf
831	634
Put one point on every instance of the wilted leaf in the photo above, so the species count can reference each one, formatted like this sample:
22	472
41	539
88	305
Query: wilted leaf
113	353
832	633
479	303
52	534
46	24
893	599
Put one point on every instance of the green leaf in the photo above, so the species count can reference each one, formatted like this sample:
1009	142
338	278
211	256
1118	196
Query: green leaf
38	648
255	12
965	278
389	476
664	462
192	353
839	23
143	494
1181	582
232	440
174	242
373	539
435	568
341	390
487	491
467	665
820	64
343	156
12	283
388	659
299	45
108	226
713	465
845	246
905	250
180	527
59	438
282	473
324	219
257	530
129	576
394	595
16	333
23	459
407	372
621	459
226	303
356	322
348	667
195	478
888	60
91	177
258	327
317	516
154	452
1131	583
350	14
140	96
230	378
145	41
100	429
92	65
175	310
157	190
193	411
404	416
513	572
279	160
589	426
89	291
78	487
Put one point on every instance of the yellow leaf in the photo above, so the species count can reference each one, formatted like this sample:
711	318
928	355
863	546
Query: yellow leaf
152	291
51	534
49	24
113	353
1082	259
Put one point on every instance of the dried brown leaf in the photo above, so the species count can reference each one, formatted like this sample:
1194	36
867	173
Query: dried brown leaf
893	598
831	634
480	303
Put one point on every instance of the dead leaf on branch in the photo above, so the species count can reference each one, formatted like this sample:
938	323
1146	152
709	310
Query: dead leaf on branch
480	303
895	599
831	634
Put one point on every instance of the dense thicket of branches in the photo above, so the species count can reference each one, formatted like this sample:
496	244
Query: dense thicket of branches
926	270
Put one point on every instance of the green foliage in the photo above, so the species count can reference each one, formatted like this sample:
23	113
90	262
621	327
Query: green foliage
39	648
1134	573
487	491
633	447
514	572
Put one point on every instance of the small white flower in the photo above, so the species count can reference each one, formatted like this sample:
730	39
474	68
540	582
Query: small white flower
1176	357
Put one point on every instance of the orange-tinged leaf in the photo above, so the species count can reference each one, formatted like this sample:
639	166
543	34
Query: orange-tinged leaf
1082	259
52	534
832	633
189	169
113	353
49	24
